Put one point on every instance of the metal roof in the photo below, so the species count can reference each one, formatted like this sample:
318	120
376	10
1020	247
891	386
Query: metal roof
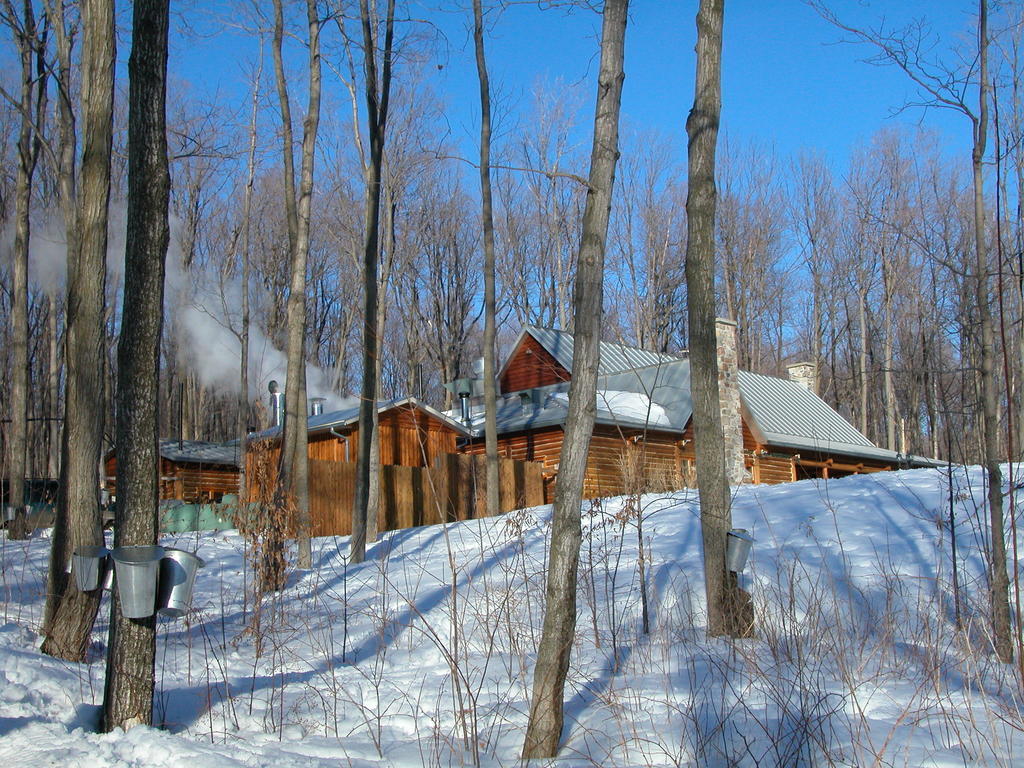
790	415
199	452
614	357
781	412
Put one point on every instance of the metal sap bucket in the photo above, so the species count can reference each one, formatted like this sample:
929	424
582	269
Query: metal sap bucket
737	549
90	567
9	513
137	571
177	577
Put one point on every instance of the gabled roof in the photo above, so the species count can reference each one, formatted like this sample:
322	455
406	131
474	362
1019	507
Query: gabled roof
349	415
614	357
791	416
199	452
781	413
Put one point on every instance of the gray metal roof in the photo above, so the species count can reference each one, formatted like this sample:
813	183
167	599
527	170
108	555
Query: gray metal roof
614	357
199	452
781	412
791	416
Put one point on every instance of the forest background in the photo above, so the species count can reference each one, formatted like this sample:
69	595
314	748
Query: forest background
844	223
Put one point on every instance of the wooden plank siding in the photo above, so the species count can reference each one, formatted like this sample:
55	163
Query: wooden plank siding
408	438
529	366
454	488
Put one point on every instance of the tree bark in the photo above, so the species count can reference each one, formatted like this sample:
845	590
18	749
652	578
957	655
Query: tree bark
999	583
544	729
128	692
70	614
363	516
294	469
242	422
487	218
28	153
709	439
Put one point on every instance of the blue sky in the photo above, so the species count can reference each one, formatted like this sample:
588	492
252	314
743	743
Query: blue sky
787	80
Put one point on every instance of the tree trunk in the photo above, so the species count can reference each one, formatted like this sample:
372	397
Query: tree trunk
544	729
53	387
377	117
69	613
487	217
242	422
128	692
709	438
17	436
294	468
999	580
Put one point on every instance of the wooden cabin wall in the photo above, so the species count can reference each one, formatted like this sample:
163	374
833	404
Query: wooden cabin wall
408	438
186	481
531	366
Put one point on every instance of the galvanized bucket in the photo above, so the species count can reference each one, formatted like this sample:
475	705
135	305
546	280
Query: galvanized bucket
137	571
177	577
9	513
89	565
737	549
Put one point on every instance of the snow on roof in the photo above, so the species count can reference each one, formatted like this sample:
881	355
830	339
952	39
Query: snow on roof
199	452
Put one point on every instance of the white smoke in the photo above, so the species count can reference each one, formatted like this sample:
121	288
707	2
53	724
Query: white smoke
202	310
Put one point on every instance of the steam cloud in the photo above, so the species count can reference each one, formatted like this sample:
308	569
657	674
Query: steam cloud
201	310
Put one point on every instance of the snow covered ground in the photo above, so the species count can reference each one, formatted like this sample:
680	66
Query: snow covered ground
423	655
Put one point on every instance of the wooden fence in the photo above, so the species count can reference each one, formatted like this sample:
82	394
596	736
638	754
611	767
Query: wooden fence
454	488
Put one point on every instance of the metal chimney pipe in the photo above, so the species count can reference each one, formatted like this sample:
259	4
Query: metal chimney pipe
316	406
276	404
464	402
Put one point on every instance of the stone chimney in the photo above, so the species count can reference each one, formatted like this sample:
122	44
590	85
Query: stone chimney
805	374
729	397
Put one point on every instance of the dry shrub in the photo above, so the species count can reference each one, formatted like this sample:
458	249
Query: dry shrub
267	520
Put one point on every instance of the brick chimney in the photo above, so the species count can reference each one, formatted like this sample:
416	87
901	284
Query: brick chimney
805	374
729	397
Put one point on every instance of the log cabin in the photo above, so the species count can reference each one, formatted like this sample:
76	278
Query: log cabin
192	471
777	430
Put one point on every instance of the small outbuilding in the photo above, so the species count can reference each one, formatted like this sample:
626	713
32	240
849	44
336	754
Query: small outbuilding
193	471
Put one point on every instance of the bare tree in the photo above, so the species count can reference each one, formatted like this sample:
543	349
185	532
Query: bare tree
245	235
131	654
709	439
947	88
70	613
544	729
487	218
294	469
28	41
378	96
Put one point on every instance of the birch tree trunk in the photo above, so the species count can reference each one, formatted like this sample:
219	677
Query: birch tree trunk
709	438
131	654
544	728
